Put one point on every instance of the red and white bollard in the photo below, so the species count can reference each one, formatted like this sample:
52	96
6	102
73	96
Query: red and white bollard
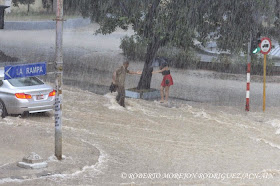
248	87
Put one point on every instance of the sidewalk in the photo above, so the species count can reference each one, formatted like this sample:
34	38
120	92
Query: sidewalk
19	137
43	25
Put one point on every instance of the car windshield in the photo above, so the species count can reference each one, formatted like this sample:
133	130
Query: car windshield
26	81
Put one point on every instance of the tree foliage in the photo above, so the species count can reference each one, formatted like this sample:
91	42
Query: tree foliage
48	4
157	22
235	20
179	23
24	2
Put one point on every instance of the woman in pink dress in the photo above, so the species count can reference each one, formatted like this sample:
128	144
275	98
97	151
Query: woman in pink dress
167	81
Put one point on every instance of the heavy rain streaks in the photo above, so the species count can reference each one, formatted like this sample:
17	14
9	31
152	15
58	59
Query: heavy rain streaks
199	134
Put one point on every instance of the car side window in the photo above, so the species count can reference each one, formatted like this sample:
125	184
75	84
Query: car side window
1	83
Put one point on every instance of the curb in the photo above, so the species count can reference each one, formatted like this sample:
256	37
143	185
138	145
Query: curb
43	25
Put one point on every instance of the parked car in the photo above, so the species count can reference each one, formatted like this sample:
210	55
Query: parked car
25	95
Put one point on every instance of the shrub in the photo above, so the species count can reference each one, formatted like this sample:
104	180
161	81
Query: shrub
257	65
179	58
133	48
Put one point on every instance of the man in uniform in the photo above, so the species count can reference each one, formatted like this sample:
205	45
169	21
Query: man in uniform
119	80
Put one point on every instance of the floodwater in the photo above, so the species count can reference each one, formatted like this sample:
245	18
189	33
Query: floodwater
203	136
148	137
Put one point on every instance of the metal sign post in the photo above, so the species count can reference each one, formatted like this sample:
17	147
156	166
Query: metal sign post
58	80
265	46
264	80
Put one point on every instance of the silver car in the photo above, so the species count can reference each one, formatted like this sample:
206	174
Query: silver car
25	95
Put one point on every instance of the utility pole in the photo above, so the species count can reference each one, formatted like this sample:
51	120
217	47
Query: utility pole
58	79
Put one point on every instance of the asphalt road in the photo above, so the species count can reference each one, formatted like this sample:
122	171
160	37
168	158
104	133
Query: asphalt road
90	60
108	145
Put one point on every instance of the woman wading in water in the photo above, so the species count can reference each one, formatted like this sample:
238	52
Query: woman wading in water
166	82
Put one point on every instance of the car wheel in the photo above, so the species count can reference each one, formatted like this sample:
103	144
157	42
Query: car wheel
3	111
25	114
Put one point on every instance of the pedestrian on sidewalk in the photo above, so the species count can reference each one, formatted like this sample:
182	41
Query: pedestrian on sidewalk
119	81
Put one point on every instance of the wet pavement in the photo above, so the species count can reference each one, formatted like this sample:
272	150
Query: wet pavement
105	144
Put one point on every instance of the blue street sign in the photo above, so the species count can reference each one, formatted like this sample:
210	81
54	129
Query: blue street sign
27	70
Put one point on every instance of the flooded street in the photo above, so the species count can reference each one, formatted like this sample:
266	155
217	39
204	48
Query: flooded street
203	131
148	137
89	61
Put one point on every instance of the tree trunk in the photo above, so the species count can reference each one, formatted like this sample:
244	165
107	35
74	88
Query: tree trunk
51	5
54	4
146	77
28	7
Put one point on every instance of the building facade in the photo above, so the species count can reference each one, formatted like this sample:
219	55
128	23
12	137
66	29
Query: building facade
36	7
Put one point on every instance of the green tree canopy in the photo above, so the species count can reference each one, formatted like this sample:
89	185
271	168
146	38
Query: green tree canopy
235	20
178	23
158	22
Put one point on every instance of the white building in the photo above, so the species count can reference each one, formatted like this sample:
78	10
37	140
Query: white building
36	7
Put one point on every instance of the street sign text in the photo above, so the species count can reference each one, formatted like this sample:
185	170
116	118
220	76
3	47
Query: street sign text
27	70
